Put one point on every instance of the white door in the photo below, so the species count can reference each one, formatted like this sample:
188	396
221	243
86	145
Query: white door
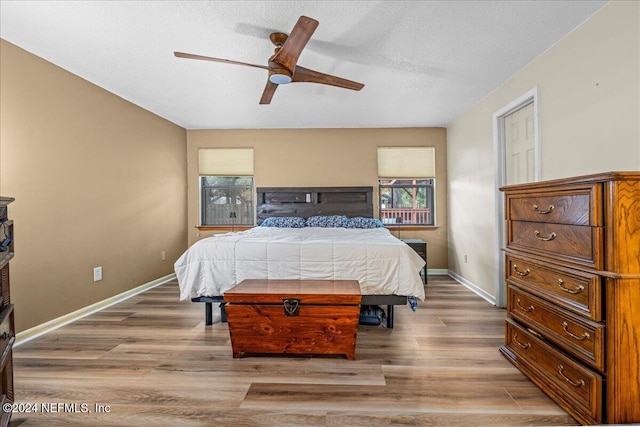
520	148
515	129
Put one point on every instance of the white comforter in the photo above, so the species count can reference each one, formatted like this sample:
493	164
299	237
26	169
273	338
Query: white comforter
381	263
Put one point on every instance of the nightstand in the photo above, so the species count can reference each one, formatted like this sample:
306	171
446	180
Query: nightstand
420	246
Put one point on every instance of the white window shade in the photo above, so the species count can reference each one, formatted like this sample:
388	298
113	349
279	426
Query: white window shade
225	161
406	162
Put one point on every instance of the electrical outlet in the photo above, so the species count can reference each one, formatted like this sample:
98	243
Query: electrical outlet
97	274
163	255
465	258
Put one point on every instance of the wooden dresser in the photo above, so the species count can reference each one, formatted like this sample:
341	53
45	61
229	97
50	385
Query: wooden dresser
573	275
7	331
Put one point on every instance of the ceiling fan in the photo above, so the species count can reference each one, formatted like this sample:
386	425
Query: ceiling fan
283	66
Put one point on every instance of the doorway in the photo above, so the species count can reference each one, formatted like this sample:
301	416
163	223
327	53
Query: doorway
517	159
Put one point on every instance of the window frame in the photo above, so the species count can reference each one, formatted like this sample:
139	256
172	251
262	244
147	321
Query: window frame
234	162
230	222
408	162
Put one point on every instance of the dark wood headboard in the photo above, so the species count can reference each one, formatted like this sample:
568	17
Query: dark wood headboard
310	201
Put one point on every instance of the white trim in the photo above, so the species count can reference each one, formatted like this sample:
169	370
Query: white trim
473	288
36	331
500	177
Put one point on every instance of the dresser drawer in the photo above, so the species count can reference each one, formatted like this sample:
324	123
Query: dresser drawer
7	334
7	392
574	206
574	290
574	243
580	337
578	388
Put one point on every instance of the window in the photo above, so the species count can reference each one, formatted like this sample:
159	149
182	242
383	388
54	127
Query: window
406	201
227	200
406	182
226	186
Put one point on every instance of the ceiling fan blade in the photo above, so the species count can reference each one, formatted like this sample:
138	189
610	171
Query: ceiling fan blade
306	75
208	58
297	40
269	90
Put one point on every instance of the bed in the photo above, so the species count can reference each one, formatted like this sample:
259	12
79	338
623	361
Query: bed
306	233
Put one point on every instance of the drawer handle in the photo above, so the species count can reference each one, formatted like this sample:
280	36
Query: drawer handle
584	336
524	346
546	239
534	333
578	383
521	273
536	209
577	290
525	309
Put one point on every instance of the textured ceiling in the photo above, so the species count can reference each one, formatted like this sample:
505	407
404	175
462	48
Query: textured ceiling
423	63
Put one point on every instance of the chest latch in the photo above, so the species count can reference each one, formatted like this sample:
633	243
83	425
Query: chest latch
291	306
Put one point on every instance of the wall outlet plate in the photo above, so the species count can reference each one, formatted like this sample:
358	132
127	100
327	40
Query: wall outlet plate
97	274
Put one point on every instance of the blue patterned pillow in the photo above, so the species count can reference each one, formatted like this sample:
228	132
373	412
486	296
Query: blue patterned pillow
284	221
328	221
361	222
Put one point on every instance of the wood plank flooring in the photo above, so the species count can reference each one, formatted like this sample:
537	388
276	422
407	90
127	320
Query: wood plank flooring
151	361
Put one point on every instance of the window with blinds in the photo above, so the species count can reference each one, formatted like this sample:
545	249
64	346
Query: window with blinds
226	186
406	183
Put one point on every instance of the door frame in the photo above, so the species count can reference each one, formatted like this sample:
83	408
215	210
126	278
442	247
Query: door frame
499	145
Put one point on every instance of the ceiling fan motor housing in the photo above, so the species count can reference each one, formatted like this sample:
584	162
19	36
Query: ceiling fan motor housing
278	74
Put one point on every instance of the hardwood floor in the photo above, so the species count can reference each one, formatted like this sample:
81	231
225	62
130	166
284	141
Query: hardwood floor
152	361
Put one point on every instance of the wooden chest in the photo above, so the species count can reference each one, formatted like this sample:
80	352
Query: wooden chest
294	316
573	275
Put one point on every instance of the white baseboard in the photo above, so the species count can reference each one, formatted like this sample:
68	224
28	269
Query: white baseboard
473	288
36	331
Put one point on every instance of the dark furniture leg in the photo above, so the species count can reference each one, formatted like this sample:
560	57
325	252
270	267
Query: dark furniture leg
223	313
388	300
208	308
208	313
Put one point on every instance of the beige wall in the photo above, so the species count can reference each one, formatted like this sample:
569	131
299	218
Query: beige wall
324	157
98	181
589	121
